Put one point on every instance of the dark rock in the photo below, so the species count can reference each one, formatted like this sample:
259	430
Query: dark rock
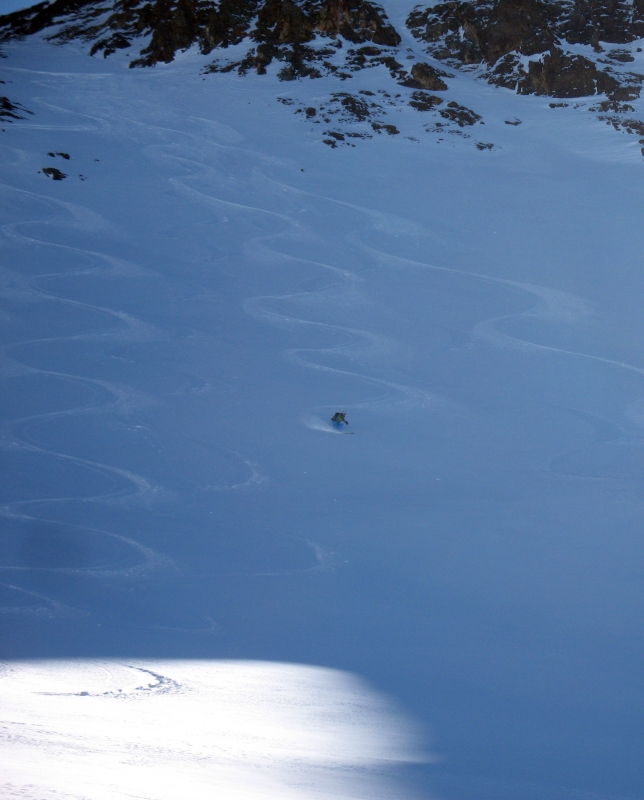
632	126
621	55
365	57
561	75
174	25
369	51
611	105
356	21
497	33
390	129
299	60
622	93
422	101
53	173
354	107
507	72
426	77
461	115
493	29
472	32
282	22
110	44
9	110
592	21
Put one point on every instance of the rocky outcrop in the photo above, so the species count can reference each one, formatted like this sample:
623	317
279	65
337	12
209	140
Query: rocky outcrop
519	44
424	76
355	20
173	25
528	46
499	33
595	21
422	101
491	29
461	115
475	32
53	173
561	75
10	111
284	28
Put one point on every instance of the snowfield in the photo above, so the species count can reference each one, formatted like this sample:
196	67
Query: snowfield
181	316
101	729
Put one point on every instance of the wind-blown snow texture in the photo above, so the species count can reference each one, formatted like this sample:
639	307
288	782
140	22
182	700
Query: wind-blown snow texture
179	326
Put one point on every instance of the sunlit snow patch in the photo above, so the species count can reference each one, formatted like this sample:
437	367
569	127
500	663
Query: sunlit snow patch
104	730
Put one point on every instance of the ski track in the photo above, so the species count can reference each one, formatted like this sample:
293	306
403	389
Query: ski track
15	434
359	344
255	306
550	305
48	608
129	487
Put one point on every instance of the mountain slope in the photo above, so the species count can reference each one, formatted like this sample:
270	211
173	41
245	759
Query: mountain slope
543	47
198	271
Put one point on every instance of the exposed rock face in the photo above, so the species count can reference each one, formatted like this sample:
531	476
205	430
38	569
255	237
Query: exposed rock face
496	33
178	24
493	28
10	111
559	75
53	173
422	101
592	21
425	76
490	30
354	116
355	20
461	115
528	46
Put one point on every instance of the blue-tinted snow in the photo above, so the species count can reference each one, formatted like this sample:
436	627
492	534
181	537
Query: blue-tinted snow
179	328
9	6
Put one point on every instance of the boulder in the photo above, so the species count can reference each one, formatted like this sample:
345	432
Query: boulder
426	77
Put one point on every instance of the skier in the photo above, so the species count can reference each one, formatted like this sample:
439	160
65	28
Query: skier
338	419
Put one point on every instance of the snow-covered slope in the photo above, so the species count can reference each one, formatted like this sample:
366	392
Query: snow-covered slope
107	730
184	311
